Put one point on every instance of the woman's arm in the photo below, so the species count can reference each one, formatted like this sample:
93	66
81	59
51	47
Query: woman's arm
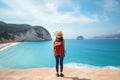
64	46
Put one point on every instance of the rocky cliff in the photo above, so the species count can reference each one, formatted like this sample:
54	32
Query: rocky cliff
114	36
22	32
80	37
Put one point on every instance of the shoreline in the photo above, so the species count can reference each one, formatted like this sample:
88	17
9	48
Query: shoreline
6	45
50	74
3	45
107	73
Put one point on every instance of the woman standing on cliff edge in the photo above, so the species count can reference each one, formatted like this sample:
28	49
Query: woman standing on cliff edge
59	52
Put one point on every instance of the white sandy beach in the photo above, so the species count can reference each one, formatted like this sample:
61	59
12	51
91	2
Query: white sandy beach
2	45
6	45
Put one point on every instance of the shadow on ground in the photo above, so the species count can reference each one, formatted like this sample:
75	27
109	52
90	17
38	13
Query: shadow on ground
76	78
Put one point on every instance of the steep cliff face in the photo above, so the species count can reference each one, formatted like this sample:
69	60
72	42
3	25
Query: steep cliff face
22	32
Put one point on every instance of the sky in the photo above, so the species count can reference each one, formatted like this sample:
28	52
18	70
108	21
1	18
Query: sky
87	18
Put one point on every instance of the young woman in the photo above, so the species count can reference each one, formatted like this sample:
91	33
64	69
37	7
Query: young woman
59	52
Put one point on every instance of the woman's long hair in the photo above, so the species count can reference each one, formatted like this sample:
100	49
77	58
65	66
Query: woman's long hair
59	39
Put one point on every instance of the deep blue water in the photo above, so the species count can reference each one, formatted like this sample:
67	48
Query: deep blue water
79	53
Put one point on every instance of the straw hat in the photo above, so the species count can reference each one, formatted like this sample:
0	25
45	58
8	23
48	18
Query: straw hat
58	34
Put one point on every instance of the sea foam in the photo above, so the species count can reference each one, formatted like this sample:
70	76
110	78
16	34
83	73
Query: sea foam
12	44
80	65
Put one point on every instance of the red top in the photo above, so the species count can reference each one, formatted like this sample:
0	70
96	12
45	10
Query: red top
59	48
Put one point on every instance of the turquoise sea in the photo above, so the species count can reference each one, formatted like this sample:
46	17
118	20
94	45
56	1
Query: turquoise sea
90	53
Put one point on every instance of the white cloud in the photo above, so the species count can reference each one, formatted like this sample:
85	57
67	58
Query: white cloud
43	13
118	32
51	6
111	6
